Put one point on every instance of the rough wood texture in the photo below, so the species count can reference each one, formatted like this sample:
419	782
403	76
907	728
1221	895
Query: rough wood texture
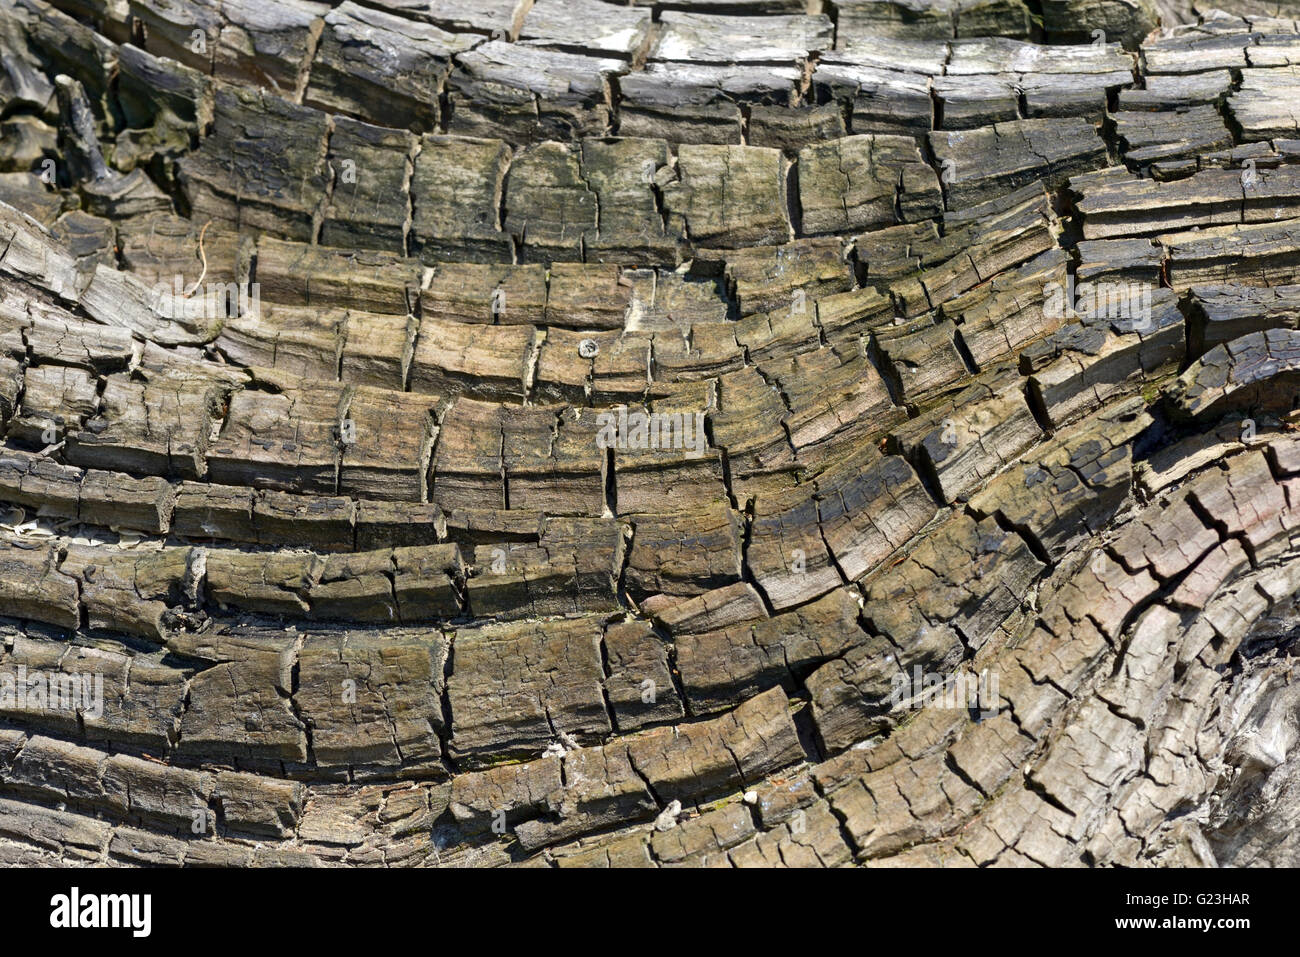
589	434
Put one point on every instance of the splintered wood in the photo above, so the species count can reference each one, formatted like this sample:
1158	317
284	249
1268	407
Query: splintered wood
690	433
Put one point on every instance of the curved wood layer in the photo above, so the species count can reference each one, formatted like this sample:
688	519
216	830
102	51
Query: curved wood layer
573	434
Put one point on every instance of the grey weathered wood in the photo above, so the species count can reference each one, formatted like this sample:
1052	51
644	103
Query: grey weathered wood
922	19
1260	104
729	196
1193	48
882	100
588	26
246	175
369	198
861	182
526	94
385	470
456	195
699	102
1223	313
711	39
1125	21
1004	156
382	68
1257	371
1151	137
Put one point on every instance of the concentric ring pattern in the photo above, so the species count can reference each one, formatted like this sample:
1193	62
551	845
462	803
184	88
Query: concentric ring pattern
570	433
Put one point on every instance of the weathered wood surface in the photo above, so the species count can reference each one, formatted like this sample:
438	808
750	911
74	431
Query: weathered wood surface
583	434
